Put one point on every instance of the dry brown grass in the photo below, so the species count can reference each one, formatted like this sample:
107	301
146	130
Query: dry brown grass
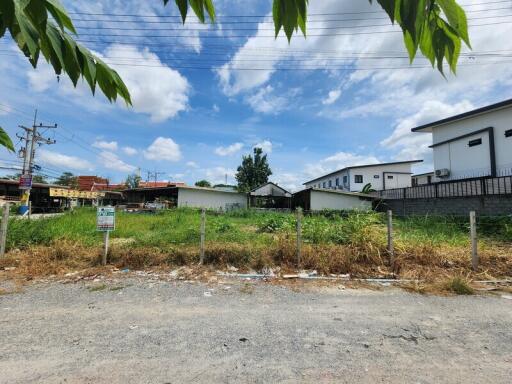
427	262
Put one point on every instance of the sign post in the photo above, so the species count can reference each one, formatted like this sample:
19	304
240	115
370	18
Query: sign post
105	222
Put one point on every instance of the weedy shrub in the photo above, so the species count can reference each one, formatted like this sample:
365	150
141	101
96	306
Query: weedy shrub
276	223
458	285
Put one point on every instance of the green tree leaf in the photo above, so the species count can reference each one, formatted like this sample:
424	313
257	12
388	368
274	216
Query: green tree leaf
5	140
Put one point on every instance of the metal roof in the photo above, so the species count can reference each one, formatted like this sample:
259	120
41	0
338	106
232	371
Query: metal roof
362	166
493	107
355	194
267	183
182	187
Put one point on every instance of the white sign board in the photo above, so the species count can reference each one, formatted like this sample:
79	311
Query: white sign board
106	219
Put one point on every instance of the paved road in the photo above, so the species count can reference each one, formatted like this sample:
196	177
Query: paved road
167	332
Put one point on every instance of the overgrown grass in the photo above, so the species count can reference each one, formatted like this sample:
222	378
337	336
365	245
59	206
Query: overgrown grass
334	242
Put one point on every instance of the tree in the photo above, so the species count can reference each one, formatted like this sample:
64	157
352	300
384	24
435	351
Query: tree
39	179
253	172
203	184
436	27
67	179
132	181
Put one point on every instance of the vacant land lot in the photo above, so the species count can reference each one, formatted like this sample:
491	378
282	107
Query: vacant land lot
139	330
333	242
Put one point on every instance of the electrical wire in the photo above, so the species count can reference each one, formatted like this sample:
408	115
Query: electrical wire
266	15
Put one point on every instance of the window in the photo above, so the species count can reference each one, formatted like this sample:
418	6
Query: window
414	182
330	183
358	179
508	133
391	177
337	181
323	184
474	143
376	176
345	179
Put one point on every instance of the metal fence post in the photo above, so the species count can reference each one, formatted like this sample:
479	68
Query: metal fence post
474	242
391	249
203	235
299	236
3	228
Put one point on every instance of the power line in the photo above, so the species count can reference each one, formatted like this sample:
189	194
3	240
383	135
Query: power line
266	15
255	28
214	27
264	36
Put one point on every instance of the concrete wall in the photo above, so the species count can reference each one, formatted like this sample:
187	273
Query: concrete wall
465	161
198	198
483	205
331	200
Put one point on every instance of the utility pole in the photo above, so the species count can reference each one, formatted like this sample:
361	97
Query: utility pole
154	176
32	139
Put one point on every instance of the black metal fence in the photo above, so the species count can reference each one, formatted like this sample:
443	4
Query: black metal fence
483	186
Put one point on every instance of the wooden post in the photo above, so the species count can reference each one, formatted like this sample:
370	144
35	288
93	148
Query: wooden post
203	235
29	209
3	228
474	242
106	236
391	249
299	236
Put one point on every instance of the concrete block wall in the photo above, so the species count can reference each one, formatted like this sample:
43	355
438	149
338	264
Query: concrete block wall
498	205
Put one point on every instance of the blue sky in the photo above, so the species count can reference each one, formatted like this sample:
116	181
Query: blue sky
343	96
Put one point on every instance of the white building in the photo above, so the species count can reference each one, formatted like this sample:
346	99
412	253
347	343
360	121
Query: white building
185	196
473	144
311	199
210	198
380	176
423	179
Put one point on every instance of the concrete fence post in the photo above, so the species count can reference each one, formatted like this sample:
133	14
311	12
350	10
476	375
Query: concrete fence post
474	241
3	228
106	239
391	249
203	235
299	236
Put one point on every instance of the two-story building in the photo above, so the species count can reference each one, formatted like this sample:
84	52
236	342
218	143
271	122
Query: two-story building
353	179
473	144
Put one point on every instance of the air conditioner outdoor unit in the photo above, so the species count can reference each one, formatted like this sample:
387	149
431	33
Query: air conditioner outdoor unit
444	172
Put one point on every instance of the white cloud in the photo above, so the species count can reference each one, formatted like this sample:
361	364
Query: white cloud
5	109
111	161
216	108
289	181
163	148
229	150
338	161
157	90
265	101
415	145
265	145
107	145
130	151
63	161
192	164
332	97
41	79
217	175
